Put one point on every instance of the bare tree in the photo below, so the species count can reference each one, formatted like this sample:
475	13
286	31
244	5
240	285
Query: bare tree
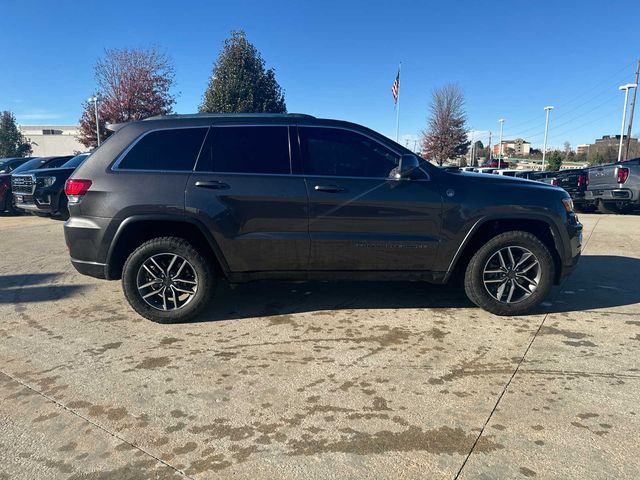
135	84
446	135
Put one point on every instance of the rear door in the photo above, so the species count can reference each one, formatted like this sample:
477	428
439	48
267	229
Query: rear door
359	217
244	192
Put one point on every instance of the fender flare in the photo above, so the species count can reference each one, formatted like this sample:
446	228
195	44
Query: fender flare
165	217
555	233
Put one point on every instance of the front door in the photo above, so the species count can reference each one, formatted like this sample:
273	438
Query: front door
360	217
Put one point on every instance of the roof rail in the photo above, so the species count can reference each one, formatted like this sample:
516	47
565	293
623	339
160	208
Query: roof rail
222	115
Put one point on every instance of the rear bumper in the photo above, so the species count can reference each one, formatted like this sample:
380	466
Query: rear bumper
92	269
612	195
85	238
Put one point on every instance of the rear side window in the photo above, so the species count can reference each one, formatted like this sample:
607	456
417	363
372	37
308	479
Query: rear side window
263	149
343	153
171	149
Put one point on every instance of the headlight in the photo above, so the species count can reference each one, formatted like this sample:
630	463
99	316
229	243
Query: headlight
48	181
568	204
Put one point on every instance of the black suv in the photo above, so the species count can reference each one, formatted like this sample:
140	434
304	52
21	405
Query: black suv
172	204
42	191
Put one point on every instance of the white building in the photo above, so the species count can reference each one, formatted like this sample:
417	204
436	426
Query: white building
52	140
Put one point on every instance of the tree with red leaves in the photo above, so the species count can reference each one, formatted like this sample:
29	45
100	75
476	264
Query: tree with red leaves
446	137
134	83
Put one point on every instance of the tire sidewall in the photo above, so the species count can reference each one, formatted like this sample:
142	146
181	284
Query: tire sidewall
474	281
183	249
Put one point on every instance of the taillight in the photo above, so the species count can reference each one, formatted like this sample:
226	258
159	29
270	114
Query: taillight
583	180
75	189
622	173
554	181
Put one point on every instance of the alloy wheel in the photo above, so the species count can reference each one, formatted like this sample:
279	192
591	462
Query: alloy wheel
511	274
167	281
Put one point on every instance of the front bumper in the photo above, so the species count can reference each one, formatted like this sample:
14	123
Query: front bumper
33	202
572	247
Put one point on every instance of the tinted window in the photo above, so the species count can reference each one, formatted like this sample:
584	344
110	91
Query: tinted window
30	165
337	152
174	149
75	161
246	150
57	162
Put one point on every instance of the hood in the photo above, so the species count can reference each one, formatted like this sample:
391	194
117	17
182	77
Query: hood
43	172
497	180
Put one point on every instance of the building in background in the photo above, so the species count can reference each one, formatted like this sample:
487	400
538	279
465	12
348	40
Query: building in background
582	149
52	140
519	146
605	149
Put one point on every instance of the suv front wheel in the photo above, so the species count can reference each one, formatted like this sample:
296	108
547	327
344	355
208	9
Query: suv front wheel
511	274
167	280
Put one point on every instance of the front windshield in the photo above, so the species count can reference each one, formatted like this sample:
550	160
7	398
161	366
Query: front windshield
75	161
30	165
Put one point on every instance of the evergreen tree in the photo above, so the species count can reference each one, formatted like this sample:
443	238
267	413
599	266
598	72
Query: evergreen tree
554	161
12	142
239	82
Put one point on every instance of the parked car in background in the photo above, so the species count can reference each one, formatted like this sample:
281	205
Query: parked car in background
32	164
524	174
7	165
497	164
575	182
173	204
42	191
506	172
484	170
615	188
544	177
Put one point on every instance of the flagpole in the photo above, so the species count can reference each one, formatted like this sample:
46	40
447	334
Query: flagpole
398	106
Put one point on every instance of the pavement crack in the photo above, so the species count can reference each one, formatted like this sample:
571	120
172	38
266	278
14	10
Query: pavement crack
517	369
100	427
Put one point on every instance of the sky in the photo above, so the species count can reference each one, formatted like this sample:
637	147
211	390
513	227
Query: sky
338	59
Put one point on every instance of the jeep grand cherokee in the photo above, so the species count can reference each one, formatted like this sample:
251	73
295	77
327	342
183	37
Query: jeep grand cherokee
173	204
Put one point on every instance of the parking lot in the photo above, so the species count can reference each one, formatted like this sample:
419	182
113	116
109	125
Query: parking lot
318	380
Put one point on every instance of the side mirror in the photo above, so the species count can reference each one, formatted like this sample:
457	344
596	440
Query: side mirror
408	165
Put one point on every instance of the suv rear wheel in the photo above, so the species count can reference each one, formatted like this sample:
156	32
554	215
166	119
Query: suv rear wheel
167	280
511	274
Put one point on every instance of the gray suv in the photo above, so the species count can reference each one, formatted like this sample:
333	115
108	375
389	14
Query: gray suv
173	204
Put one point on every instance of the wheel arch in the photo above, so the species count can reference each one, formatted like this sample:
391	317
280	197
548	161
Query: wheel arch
487	228
136	230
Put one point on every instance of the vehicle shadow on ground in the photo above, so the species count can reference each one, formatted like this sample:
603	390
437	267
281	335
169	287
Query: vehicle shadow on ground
35	287
600	281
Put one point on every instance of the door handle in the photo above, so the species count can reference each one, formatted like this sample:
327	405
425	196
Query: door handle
329	188
215	185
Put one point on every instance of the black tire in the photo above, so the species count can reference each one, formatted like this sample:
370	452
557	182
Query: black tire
585	207
474	283
204	275
63	208
613	207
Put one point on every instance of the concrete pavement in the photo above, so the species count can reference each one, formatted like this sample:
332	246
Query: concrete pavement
318	380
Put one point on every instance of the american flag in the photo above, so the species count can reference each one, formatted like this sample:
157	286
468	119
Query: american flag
395	88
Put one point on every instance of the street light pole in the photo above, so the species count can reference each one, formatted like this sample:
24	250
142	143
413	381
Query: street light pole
490	150
95	99
626	89
546	129
500	147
